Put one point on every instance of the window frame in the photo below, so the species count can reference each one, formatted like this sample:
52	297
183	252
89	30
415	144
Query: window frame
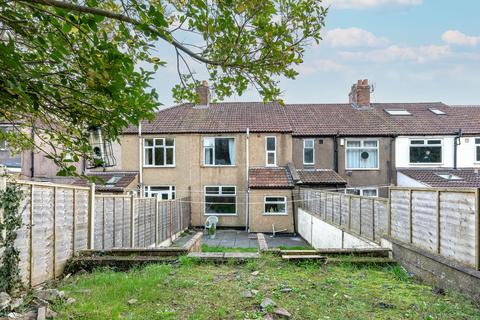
234	160
362	141
313	151
361	192
267	152
220	188
165	147
425	144
172	192
285	202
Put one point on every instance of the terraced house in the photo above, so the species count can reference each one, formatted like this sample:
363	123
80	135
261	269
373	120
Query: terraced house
242	161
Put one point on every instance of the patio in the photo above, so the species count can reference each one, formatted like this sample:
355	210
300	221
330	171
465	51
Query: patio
242	239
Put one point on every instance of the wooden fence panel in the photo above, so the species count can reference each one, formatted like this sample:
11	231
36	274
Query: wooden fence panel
63	246
400	205
424	219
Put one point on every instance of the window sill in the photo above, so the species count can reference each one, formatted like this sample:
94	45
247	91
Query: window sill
426	164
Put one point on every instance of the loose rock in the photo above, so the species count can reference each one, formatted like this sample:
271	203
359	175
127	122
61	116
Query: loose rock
49	295
132	301
14	315
247	294
42	313
16	303
50	314
5	300
268	316
255	273
70	301
281	312
286	289
267	302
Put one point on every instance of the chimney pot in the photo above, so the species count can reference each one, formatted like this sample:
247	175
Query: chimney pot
203	94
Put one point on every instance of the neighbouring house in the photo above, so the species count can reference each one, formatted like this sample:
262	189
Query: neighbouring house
112	182
11	161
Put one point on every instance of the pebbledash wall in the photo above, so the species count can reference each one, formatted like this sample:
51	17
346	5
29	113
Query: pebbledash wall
190	176
58	221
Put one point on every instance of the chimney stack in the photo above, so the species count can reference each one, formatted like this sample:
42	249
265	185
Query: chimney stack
203	94
359	96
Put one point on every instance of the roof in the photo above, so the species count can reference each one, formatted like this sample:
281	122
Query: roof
469	178
270	178
314	119
319	176
218	117
122	181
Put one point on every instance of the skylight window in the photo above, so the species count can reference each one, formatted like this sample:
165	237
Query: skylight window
448	176
112	181
436	111
398	112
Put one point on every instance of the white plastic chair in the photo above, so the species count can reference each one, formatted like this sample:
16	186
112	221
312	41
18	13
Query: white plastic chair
211	222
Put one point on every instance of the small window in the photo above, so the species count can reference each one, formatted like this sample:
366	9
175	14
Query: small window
275	205
361	154
159	152
112	181
309	151
3	145
271	151
398	112
477	149
220	200
219	151
163	192
367	192
436	111
425	151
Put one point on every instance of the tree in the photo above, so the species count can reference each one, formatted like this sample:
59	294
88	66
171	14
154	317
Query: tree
70	65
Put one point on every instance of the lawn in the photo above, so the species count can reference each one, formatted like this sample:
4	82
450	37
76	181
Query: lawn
190	290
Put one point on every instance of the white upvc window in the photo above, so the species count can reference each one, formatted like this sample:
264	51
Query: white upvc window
361	154
220	200
364	192
163	192
425	151
218	151
275	205
271	151
159	152
477	149
308	151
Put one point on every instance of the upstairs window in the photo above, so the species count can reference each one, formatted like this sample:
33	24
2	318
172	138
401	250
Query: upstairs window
220	200
271	151
308	151
361	154
426	151
366	192
159	152
477	149
163	192
275	205
219	151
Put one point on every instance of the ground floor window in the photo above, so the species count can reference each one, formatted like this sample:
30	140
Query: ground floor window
275	205
220	200
364	192
164	192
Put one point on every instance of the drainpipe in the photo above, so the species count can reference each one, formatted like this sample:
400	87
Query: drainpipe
390	161
456	143
32	154
140	159
335	152
247	188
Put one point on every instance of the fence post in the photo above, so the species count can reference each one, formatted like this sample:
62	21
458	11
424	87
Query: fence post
360	218
373	219
91	216
170	218
30	244
156	220
477	229
54	232
410	213
132	221
389	213
74	209
438	221
349	213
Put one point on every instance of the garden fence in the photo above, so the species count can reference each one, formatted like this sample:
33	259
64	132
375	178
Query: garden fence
60	220
445	222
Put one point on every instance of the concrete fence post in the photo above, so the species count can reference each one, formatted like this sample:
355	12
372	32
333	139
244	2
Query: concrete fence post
156	221
132	221
389	212
477	229
438	221
91	216
410	214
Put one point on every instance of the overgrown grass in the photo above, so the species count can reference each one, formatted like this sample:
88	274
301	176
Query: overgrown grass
190	290
207	248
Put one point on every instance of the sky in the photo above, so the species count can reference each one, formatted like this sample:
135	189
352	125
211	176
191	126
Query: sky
410	50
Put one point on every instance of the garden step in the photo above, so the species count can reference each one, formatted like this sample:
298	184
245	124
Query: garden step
359	252
89	263
168	251
304	257
224	256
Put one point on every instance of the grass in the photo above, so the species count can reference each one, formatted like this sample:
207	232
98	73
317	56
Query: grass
190	290
207	248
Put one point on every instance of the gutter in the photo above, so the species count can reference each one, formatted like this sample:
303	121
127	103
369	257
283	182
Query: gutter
247	187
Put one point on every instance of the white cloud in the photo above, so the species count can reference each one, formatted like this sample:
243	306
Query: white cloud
353	37
394	53
370	4
319	65
455	37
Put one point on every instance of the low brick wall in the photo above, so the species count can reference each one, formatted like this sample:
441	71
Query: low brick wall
194	244
437	270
